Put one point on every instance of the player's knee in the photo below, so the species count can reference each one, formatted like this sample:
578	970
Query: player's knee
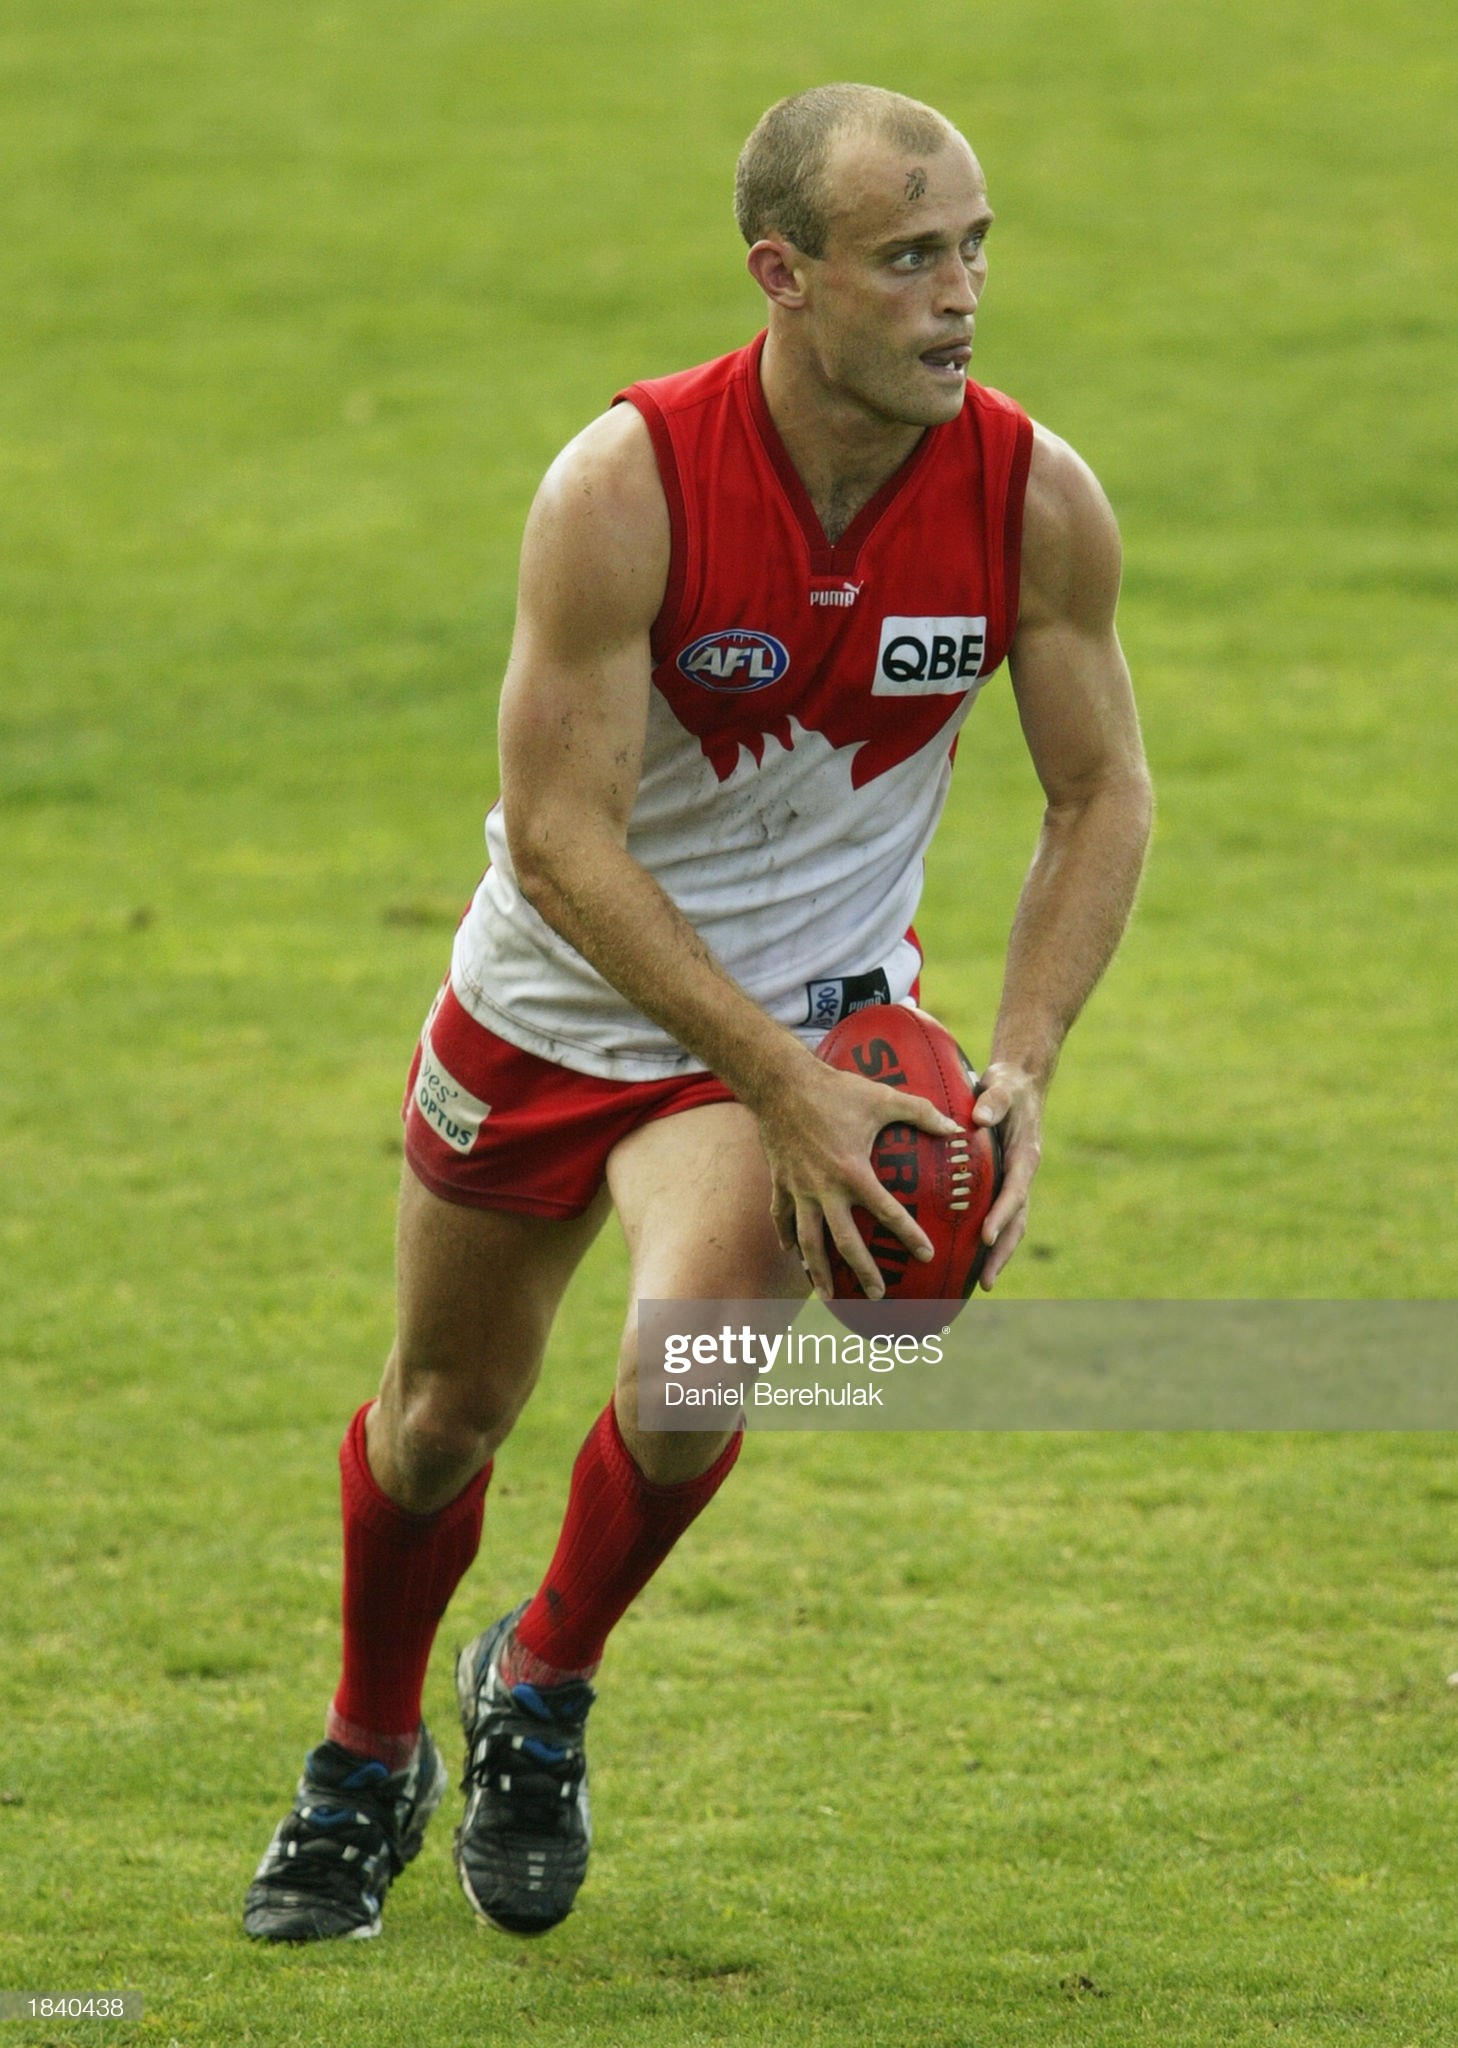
441	1425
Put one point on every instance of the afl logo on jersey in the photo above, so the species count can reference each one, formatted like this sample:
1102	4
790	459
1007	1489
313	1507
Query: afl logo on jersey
738	659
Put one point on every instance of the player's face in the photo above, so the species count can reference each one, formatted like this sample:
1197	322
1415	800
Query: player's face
893	301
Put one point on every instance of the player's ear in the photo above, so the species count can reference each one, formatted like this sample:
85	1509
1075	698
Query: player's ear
778	268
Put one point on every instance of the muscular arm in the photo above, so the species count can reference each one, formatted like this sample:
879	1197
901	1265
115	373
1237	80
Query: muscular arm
573	716
1078	717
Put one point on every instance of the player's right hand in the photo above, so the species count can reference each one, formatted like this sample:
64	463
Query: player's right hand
1011	1098
817	1130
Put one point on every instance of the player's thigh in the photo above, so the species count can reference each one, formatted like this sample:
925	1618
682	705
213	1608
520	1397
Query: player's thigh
477	1290
693	1196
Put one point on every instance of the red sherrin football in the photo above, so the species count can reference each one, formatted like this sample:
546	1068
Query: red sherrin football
948	1184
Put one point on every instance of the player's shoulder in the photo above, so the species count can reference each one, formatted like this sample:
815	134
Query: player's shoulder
990	403
1070	547
610	459
602	494
1064	496
703	384
602	502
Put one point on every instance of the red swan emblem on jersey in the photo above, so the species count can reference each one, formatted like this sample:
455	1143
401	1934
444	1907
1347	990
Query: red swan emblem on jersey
746	689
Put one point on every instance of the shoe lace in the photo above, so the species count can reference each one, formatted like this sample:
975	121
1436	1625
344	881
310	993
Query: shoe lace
519	1762
325	1845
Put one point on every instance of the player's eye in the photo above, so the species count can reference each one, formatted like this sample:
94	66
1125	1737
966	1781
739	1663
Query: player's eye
909	259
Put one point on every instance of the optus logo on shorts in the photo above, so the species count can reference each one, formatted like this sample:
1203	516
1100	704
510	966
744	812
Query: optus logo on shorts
737	659
929	657
453	1112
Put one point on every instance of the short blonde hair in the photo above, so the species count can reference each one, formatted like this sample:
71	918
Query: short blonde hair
779	185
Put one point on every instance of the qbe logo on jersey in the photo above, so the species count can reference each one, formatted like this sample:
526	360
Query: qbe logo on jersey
737	659
929	657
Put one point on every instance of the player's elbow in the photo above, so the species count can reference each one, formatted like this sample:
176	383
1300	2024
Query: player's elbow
539	855
1121	788
1110	818
1128	801
1133	803
1137	798
553	849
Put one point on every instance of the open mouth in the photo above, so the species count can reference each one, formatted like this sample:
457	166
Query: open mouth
950	361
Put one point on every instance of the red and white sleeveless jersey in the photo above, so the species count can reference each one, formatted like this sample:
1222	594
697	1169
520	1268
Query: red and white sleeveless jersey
806	700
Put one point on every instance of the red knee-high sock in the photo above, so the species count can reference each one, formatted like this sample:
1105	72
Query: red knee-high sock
400	1571
618	1530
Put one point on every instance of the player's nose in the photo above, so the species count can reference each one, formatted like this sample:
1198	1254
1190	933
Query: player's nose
961	285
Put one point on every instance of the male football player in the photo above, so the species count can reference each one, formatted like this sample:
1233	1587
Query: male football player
757	601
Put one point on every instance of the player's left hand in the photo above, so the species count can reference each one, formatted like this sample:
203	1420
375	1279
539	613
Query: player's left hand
1012	1099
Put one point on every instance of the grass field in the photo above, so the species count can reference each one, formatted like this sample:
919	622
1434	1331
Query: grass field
957	1741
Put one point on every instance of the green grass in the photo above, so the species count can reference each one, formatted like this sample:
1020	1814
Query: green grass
937	1740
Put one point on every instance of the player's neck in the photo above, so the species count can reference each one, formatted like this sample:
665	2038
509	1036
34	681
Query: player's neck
842	452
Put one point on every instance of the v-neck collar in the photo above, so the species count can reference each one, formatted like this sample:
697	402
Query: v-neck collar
827	559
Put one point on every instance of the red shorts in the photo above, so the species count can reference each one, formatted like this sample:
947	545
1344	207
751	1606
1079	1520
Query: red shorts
493	1127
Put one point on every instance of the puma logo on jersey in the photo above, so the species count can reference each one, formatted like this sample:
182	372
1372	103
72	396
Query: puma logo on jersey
829	1001
736	659
929	657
